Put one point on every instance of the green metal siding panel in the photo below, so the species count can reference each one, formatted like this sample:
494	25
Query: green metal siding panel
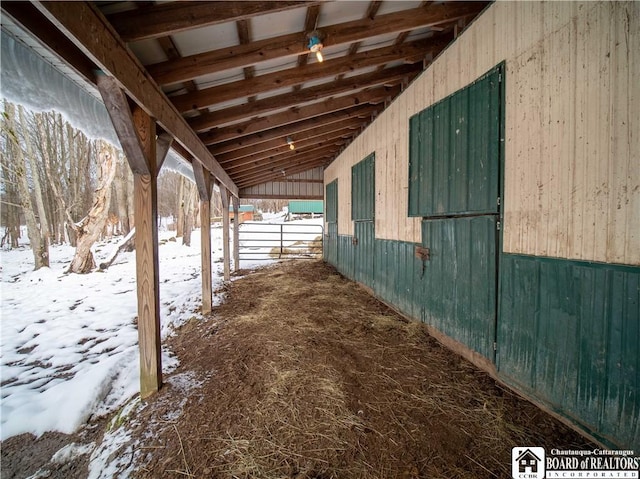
459	282
332	202
454	152
363	189
397	275
306	206
569	334
364	252
331	244
346	256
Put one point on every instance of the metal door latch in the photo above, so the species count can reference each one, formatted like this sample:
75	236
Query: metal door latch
354	241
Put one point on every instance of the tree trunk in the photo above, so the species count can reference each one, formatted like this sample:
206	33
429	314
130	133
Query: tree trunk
37	185
38	243
190	195
180	221
88	230
120	183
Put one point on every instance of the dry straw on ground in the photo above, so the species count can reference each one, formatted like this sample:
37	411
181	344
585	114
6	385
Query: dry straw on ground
305	375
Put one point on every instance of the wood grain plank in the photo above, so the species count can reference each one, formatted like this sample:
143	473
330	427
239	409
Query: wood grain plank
173	17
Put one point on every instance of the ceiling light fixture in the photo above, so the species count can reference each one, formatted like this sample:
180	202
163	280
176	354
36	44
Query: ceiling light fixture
315	44
290	143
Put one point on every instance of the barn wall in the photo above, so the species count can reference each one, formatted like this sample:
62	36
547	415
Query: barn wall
305	185
569	246
571	175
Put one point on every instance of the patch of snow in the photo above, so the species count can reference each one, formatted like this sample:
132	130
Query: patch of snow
70	343
113	458
71	451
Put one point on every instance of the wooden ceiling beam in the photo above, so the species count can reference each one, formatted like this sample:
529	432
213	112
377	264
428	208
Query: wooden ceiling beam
310	23
280	145
330	105
410	52
319	122
387	77
84	25
173	17
240	56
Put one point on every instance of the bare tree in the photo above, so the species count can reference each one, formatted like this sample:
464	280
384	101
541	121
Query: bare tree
189	199
121	190
10	201
89	228
38	240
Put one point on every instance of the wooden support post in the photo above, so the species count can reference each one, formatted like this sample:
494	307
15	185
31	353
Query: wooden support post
204	184
236	234
146	213
224	194
137	133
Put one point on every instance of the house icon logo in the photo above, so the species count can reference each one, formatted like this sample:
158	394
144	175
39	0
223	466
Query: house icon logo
528	463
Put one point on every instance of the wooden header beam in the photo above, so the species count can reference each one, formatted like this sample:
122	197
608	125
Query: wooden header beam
87	28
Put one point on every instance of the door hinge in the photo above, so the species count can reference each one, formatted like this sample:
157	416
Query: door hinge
498	201
499	77
498	225
495	346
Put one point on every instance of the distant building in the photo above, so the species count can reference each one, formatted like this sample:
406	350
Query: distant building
245	212
305	207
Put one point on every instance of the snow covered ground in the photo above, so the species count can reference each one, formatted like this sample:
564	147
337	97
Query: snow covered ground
69	342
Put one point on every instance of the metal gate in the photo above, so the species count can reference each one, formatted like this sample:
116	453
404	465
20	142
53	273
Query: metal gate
269	241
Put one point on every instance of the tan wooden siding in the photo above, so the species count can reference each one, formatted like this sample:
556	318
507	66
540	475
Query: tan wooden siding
572	149
306	185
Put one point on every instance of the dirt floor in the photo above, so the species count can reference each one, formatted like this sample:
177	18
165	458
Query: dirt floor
300	373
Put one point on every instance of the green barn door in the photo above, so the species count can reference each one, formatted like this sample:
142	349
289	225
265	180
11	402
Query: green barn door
454	168
362	214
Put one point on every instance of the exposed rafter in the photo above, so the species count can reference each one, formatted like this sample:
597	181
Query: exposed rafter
318	123
374	96
387	77
409	52
193	66
173	17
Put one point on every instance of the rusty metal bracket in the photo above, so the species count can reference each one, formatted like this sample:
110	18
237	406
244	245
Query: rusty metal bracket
423	254
354	241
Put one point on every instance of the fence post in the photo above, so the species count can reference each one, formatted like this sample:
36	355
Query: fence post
281	240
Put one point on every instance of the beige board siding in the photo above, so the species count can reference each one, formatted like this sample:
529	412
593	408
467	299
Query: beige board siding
305	185
572	153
